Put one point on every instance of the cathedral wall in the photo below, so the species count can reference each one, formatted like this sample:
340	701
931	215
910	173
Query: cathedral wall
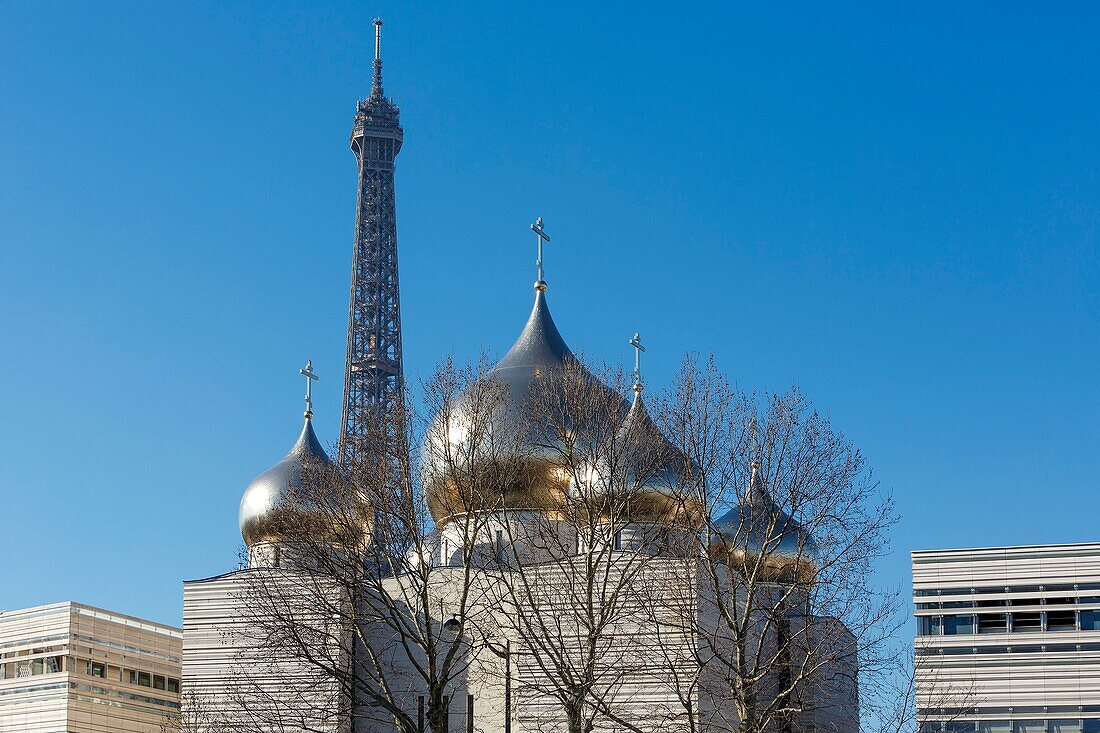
239	672
641	658
502	538
657	620
814	654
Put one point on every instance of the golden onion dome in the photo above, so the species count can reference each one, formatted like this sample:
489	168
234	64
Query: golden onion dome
758	529
530	479
274	503
656	484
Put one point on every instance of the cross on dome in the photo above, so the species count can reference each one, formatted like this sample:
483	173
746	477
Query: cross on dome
311	377
636	342
541	236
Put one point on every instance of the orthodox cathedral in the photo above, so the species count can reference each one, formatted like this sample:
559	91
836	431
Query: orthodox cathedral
502	683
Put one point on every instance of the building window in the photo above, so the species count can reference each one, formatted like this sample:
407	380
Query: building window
173	685
931	625
995	726
1023	623
958	625
1061	621
1090	621
1063	726
158	682
992	623
97	669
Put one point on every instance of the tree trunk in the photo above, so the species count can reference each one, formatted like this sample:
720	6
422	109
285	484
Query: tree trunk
438	705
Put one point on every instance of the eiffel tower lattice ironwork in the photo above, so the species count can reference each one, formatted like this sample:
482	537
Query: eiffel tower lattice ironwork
373	376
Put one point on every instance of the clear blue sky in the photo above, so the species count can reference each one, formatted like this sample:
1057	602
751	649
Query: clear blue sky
897	210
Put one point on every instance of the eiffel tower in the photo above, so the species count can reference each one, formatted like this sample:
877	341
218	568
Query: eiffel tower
373	375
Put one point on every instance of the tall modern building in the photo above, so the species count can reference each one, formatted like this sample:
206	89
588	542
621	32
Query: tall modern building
71	668
373	376
1008	639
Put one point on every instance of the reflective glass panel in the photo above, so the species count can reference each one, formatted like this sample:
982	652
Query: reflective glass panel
995	726
1063	726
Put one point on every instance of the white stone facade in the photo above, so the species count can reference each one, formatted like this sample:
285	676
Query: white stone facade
1008	639
647	668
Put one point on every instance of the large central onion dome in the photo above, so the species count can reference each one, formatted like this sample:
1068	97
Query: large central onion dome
274	502
530	479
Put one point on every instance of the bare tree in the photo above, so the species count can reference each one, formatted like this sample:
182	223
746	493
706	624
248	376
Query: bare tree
787	611
569	586
705	569
345	614
914	690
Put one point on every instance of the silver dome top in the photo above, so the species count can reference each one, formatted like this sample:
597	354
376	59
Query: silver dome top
539	350
758	526
661	467
270	496
656	471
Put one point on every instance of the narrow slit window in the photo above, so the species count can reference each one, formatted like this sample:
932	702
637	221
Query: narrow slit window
1061	620
992	623
1023	623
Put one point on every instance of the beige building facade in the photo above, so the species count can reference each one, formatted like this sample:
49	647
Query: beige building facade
1008	639
72	668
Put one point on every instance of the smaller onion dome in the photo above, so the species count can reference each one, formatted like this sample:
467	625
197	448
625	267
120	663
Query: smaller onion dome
657	475
273	499
757	526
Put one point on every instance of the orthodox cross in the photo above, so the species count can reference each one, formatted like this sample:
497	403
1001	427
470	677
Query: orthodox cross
308	373
542	237
636	342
